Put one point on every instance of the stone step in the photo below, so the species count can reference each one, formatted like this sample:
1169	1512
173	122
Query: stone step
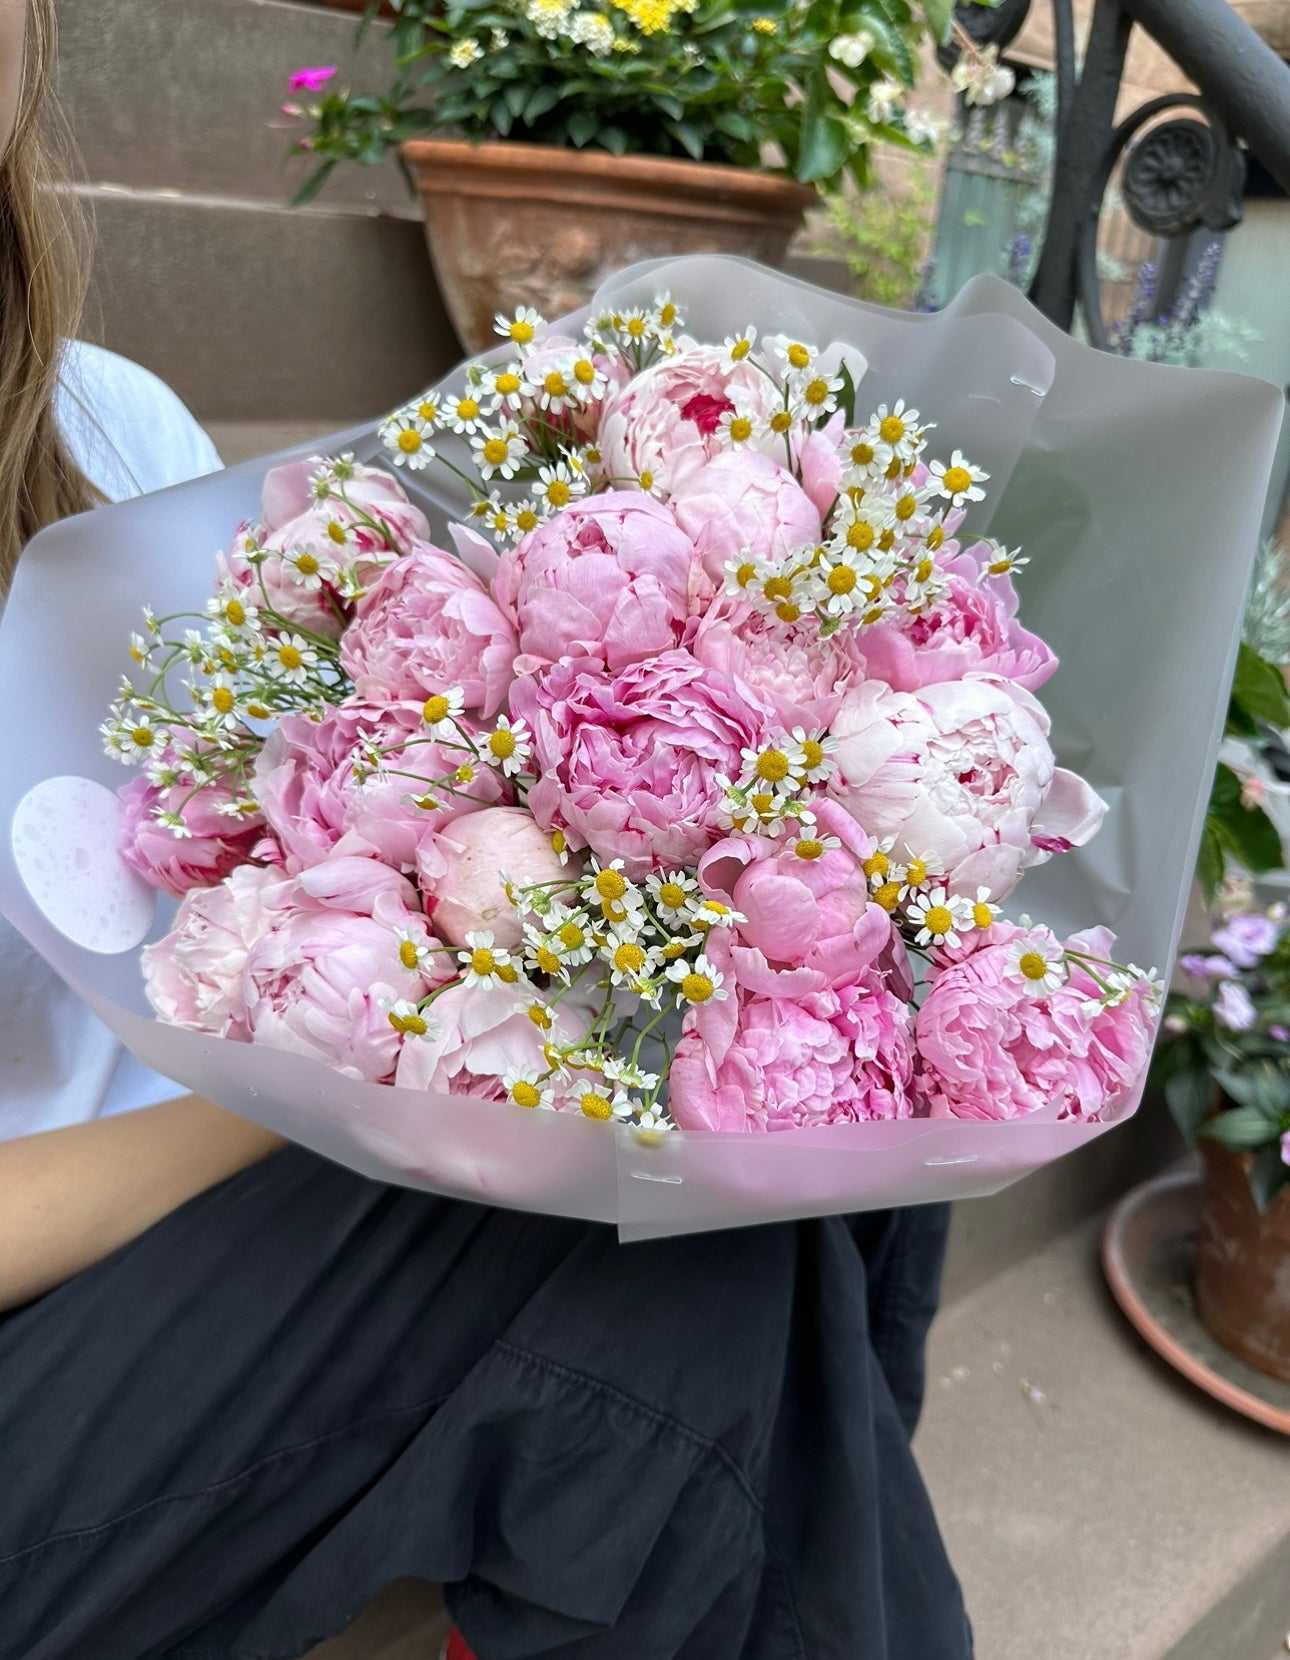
1097	1506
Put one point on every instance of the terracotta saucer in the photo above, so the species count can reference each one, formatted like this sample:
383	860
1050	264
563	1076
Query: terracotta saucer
1149	1254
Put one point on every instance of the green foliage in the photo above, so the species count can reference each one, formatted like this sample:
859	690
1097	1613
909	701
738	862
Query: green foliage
715	80
1233	830
883	236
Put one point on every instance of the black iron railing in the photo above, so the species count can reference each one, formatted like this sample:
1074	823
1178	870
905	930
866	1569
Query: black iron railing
1175	175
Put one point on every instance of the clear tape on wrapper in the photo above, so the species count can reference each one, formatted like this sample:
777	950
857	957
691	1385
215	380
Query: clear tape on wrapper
1137	492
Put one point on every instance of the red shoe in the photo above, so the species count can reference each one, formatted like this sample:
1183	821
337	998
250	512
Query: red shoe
455	1648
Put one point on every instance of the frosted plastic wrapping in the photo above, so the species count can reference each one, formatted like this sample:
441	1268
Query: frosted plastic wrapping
1137	492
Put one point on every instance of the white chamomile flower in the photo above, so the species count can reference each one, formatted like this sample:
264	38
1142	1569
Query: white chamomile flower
484	961
898	429
925	585
553	387
560	846
307	569
916	874
597	1099
1037	962
741	571
670	891
542	953
655	1120
795	357
232	607
291	658
407	438
462	53
811	754
817	395
594	31
615	893
706	914
525	516
697	982
811	845
960	481
467	412
172	821
737	427
845	582
770	768
509	745
503	382
527	1088
557	485
501	450
569	933
1003	563
413	949
587	378
522	327
409	1021
219	697
631	1076
141	649
984	912
441	711
238	806
937	917
166	775
739	347
132	738
630	962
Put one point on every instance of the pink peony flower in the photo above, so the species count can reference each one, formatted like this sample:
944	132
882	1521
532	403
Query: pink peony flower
320	981
472	852
293	510
837	1056
802	677
627	764
556	353
479	1033
665	422
961	774
742	501
193	977
1247	938
820	463
425	625
611	577
316	806
215	843
988	1048
973	630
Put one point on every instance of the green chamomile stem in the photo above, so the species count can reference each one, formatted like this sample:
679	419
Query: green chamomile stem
644	1033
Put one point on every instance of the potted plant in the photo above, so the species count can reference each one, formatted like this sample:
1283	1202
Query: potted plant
570	140
1224	1062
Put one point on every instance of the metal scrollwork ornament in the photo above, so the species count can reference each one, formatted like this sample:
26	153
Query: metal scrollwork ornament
1182	174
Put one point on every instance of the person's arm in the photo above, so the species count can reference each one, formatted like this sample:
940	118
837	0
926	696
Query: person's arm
70	1197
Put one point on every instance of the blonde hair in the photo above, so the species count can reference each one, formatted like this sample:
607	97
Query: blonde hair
44	247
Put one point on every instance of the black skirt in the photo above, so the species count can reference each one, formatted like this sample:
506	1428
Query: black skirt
225	1439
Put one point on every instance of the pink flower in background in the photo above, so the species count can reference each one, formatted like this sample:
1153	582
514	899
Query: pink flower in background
556	353
427	624
470	853
1202	967
316	806
665	423
311	80
628	763
294	514
1246	939
820	464
743	501
1234	1008
215	843
320	982
838	1056
972	630
1285	1148
479	1033
960	773
802	677
193	977
612	577
1121	1035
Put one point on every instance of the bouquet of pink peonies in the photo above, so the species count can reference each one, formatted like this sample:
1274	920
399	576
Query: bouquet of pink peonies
681	778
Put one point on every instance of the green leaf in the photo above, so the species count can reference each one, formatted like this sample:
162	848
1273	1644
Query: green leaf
1264	1088
615	140
847	402
825	147
1269	1173
541	100
1249	834
1258	688
688	137
1240	1129
516	95
313	184
582	127
1211	862
940	17
1190	1094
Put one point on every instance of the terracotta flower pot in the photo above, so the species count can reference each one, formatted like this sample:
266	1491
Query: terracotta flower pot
1243	1264
534	224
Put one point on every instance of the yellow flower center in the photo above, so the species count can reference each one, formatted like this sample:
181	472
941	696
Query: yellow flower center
306	564
467	409
584	371
556	385
143	736
521	332
860	536
647	480
781	421
502	745
809	848
887	540
526	519
558	841
798	355
428	410
764	25
915	873
408	1024
222	700
610	884
812	754
1033	965
629	958
483	962
235	613
787	612
507	383
894	468
906	507
525	1094
435	709
746	572
892	429
337	532
982	915
697	988
673	950
507	973
409	441
546	960
877	864
817	392
957	479
841	579
571	936
939	920
772	765
740	350
636	325
540	1015
741	429
888	896
762	805
862	454
999	567
596	1106
408	954
778	587
923	570
495	451
671	894
667	315
465	774
257	711
936	537
289	657
558	493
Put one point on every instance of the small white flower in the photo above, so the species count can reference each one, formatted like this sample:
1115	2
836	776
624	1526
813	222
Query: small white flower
670	890
983	910
469	412
521	328
501	450
884	100
527	1088
462	53
1003	563
619	1071
924	127
655	1120
483	961
937	917
558	485
795	357
817	395
219	699
738	426
981	78
598	1100
706	914
409	1021
916	874
172	821
811	754
630	962
960	481
413	949
406	438
698	982
851	50
509	745
742	571
307	569
1036	961
291	659
442	710
739	347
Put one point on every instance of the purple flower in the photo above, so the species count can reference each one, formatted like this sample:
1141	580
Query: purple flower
311	80
1247	937
1233	1008
1201	967
1280	1033
1285	1148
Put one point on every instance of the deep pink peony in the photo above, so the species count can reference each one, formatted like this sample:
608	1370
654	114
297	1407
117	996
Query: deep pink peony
611	578
320	980
628	763
988	1049
216	844
743	501
960	773
193	977
665	422
973	630
316	807
479	1033
470	854
802	677
427	624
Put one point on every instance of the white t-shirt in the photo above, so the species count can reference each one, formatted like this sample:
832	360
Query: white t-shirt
59	1064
